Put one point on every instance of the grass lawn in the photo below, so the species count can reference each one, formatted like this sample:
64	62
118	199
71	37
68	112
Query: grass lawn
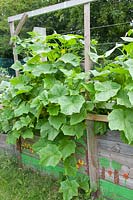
20	184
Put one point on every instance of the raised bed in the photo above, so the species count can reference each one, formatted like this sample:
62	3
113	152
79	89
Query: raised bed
112	161
115	162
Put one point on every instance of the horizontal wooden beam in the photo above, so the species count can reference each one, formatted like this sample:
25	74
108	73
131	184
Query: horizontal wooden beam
44	10
95	117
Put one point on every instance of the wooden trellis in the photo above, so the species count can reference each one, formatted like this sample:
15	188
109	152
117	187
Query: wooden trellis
91	139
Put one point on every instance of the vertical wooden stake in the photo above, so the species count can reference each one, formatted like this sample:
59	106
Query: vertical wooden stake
93	159
87	36
15	56
91	138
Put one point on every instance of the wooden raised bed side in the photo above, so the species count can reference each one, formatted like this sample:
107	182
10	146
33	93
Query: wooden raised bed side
111	160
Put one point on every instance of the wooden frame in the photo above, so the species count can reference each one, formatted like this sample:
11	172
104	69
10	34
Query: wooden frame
56	7
91	139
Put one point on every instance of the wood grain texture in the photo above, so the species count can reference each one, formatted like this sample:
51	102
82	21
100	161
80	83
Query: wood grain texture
93	156
15	55
95	117
21	23
44	10
87	36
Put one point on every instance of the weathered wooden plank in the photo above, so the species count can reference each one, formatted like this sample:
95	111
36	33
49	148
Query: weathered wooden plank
15	56
93	158
40	31
128	184
44	10
21	23
128	160
87	36
111	136
91	138
95	117
19	26
115	146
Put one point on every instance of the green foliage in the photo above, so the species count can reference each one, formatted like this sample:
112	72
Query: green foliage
68	20
47	99
4	75
53	97
69	189
113	89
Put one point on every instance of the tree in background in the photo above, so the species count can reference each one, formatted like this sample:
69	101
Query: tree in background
103	13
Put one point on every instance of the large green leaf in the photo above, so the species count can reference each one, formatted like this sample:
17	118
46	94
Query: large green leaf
129	63
106	90
69	188
17	66
50	155
57	121
70	166
23	108
43	97
5	125
70	58
44	68
48	130
20	81
23	89
39	144
130	95
122	119
78	117
123	99
67	147
22	122
28	133
6	114
53	109
116	119
75	130
71	104
49	81
57	91
12	137
25	120
83	181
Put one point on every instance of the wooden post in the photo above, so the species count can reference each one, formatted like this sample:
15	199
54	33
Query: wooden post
91	138
93	159
16	32
15	56
41	31
87	36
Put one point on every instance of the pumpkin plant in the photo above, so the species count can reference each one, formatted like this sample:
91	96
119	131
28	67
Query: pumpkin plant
52	96
111	87
47	99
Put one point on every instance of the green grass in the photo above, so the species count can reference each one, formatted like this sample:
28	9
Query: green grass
21	184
